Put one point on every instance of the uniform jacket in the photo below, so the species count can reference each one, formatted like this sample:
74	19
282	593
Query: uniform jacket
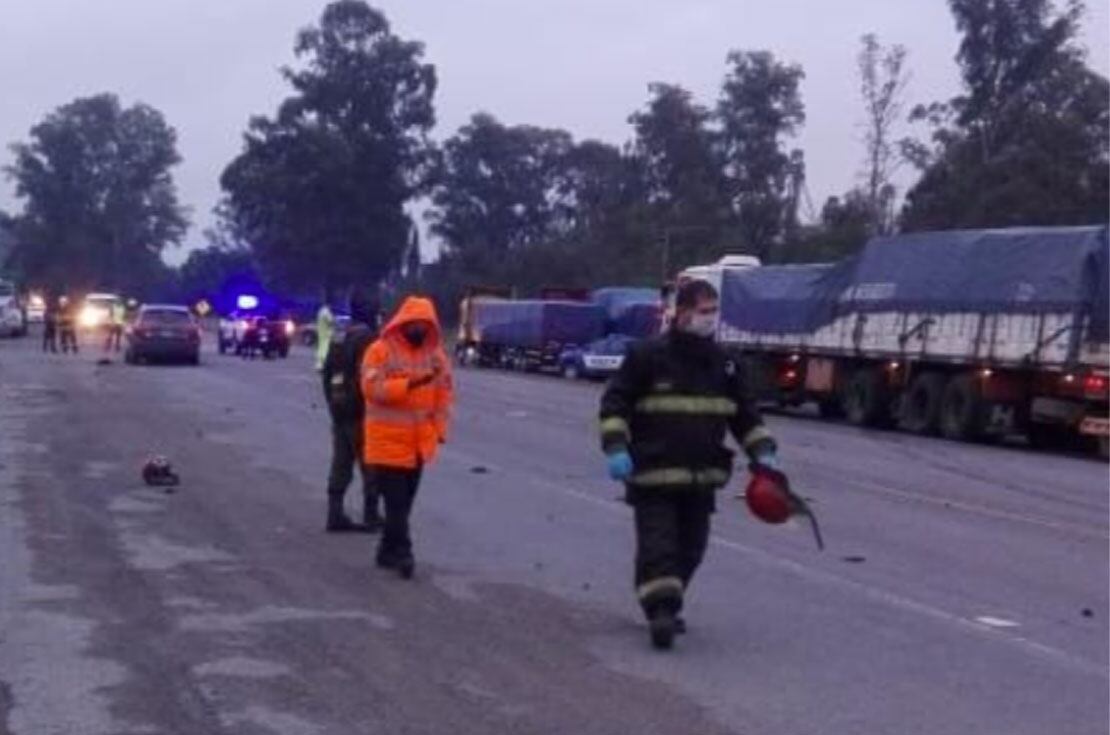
671	404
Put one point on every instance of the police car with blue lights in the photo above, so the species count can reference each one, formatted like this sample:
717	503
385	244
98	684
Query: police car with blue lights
251	331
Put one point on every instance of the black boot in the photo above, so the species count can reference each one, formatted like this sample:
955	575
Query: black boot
663	628
338	522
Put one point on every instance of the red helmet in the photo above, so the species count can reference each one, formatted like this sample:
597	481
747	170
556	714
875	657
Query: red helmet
767	495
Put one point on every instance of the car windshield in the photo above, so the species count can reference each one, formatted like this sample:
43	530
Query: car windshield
166	318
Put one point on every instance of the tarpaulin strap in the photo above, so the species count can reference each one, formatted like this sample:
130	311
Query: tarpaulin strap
661	587
697	405
679	476
615	427
758	434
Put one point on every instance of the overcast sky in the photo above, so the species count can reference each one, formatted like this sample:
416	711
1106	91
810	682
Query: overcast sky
582	65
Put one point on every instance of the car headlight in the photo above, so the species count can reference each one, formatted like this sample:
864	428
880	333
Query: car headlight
290	327
89	317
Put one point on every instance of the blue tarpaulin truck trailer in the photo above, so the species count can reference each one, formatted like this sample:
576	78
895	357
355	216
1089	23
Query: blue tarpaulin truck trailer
969	334
527	334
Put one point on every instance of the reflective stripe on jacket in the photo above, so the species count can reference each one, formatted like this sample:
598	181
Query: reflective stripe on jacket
403	424
670	405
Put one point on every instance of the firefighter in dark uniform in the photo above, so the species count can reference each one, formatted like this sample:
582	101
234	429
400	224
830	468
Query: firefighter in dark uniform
663	418
342	391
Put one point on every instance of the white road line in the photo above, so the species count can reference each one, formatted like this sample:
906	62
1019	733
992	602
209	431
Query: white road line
876	594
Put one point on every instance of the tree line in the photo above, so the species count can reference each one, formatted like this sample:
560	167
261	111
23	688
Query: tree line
329	188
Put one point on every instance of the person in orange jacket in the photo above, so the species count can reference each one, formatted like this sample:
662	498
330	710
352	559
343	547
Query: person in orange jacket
406	384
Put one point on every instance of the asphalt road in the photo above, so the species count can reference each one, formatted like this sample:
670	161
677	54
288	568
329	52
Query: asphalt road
964	588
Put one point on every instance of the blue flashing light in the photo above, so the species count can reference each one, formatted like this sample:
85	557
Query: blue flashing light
247	301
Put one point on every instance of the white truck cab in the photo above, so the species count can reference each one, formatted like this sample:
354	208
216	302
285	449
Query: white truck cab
712	273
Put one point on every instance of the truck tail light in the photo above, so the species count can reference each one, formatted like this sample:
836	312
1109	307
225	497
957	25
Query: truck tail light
1095	386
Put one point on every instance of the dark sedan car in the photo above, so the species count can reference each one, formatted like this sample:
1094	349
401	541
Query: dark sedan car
163	332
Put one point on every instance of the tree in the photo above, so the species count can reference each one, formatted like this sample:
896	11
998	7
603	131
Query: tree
209	270
100	203
843	229
499	189
883	80
319	190
683	195
1027	141
760	107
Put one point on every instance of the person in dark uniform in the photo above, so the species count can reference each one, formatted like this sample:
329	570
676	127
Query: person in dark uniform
50	325
664	417
343	393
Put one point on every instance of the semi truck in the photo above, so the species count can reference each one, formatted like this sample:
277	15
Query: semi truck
524	334
972	335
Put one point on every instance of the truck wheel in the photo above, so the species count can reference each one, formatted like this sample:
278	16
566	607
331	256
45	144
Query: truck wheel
867	400
921	408
831	407
1048	437
962	411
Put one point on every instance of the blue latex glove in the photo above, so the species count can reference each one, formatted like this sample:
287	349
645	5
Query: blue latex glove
620	465
768	459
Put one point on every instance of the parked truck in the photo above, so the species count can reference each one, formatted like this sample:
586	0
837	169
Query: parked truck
524	334
972	335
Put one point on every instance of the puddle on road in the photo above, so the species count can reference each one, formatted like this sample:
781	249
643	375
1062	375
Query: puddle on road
148	552
135	503
266	718
243	666
456	586
270	615
96	469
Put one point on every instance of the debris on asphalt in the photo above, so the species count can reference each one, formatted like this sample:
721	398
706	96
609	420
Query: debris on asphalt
854	559
1087	612
479	470
103	361
158	472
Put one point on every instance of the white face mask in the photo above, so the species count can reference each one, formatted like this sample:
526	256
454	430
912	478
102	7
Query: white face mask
702	325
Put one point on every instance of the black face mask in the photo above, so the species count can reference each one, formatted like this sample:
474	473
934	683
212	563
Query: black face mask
414	334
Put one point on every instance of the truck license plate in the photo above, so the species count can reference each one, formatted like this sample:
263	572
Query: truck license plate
1095	426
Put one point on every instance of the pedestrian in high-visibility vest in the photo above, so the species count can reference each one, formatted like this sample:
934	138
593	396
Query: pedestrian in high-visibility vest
325	326
406	383
117	320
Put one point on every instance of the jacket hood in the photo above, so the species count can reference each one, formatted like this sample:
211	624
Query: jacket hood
415	309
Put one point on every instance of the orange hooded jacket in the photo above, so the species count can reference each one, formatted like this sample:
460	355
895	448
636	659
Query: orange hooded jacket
405	424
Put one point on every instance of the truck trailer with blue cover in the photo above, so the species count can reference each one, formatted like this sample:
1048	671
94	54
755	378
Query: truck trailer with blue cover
970	334
528	334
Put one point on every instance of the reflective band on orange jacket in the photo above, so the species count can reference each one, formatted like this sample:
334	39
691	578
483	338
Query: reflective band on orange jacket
404	425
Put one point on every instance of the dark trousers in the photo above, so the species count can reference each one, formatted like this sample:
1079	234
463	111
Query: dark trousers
115	336
49	338
346	452
398	488
69	339
672	532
